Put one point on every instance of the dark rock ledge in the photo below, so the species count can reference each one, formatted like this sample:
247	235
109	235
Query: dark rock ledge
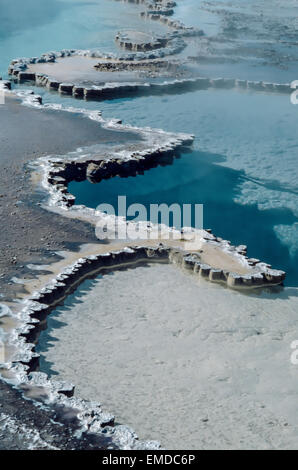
24	364
59	175
162	10
158	148
5	85
170	43
18	71
162	46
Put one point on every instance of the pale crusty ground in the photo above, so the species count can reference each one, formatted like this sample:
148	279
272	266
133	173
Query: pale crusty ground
80	70
29	233
181	360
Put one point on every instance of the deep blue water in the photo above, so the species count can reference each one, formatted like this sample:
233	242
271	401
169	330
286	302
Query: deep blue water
196	178
244	163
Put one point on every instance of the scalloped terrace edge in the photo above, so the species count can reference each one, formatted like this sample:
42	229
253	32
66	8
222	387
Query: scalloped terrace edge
37	307
25	361
158	11
109	90
57	173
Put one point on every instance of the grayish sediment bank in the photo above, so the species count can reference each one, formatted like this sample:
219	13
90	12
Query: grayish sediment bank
44	132
203	376
29	234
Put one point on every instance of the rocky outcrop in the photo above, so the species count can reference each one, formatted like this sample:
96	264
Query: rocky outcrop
24	363
162	10
261	274
120	89
60	173
140	42
5	84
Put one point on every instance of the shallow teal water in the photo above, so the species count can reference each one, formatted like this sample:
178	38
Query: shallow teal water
244	164
30	28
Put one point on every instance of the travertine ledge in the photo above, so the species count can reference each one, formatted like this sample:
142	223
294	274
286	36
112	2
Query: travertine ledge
219	261
31	70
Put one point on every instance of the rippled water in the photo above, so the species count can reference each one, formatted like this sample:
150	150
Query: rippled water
250	39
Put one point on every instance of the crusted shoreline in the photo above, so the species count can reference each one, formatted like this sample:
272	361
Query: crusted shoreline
22	370
22	367
157	147
112	90
142	53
